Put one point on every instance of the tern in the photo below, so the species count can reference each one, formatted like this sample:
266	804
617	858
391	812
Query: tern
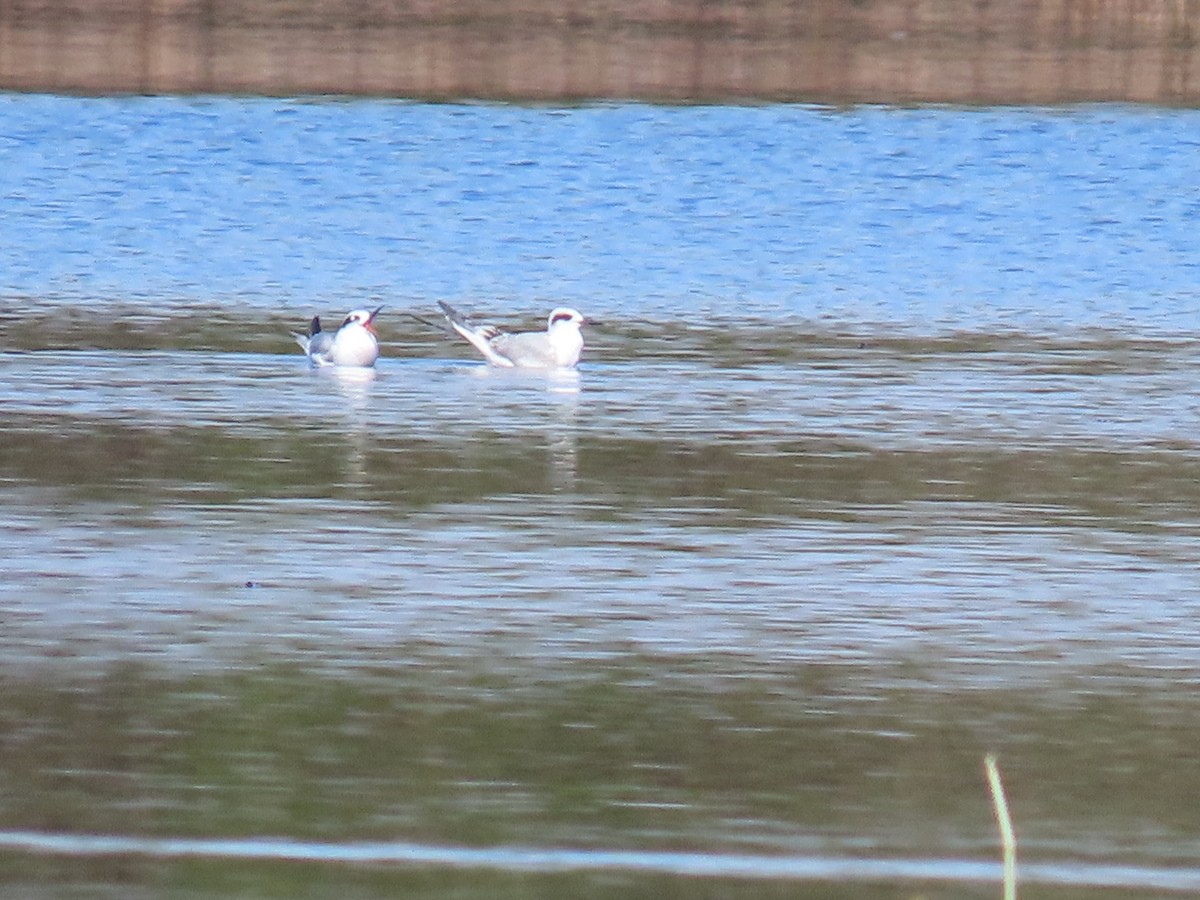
353	344
558	347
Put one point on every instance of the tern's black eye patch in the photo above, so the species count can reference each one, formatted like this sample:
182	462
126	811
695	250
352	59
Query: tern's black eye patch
561	317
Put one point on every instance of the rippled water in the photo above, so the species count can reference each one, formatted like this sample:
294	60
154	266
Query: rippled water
882	457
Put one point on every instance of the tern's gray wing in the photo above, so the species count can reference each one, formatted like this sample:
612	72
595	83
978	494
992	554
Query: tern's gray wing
316	343
316	346
482	337
321	343
531	349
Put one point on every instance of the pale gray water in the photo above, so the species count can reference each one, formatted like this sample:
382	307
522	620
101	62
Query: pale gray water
884	458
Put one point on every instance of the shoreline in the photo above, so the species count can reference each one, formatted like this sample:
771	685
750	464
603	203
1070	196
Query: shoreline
1012	52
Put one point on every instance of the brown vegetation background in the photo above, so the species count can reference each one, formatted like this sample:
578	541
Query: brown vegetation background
972	51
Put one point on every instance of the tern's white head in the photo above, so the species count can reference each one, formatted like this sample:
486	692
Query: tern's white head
565	316
361	317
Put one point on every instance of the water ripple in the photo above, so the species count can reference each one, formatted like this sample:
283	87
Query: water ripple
544	860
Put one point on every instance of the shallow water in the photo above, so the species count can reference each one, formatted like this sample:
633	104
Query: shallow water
882	458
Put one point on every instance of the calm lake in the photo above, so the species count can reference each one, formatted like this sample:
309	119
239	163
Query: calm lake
884	455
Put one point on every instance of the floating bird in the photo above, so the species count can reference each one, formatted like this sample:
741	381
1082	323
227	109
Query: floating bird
558	347
354	344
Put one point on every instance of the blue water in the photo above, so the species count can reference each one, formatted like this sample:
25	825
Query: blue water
921	219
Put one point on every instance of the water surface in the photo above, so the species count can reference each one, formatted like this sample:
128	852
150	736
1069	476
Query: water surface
883	458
